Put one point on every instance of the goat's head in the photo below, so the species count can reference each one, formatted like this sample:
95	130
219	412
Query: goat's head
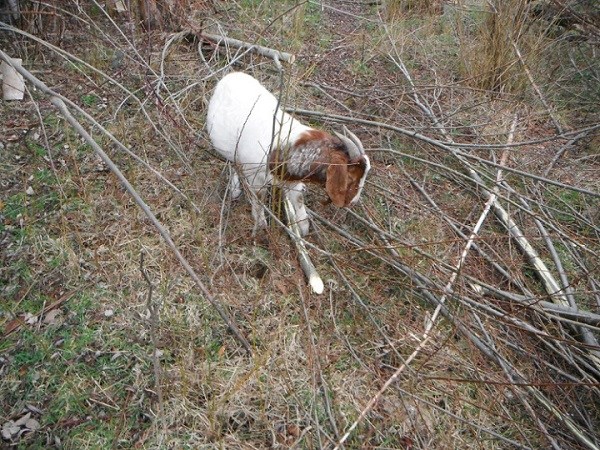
346	178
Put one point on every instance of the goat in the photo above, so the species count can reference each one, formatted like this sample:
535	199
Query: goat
247	127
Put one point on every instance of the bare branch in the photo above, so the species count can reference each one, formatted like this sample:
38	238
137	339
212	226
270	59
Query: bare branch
275	55
308	267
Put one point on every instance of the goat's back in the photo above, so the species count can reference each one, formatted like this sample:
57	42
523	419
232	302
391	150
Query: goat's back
240	120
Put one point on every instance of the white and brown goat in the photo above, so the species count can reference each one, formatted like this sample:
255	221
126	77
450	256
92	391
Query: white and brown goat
247	127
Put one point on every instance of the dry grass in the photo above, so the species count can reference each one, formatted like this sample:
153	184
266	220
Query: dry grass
394	10
317	360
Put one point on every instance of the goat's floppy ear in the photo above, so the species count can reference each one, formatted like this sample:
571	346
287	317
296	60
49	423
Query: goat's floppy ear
337	180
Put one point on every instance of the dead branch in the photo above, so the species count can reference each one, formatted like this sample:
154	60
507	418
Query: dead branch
537	90
563	149
275	55
319	370
163	231
427	288
552	287
448	289
386	385
130	95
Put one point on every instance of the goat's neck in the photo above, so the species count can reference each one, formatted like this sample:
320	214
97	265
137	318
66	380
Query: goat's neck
308	158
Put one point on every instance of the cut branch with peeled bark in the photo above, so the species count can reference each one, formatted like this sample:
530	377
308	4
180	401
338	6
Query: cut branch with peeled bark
314	279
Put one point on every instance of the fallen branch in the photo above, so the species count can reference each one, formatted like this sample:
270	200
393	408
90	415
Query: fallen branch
130	95
427	290
537	90
448	291
161	229
320	379
385	386
556	293
275	55
563	149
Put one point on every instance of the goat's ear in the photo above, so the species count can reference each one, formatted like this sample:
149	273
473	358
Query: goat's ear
336	184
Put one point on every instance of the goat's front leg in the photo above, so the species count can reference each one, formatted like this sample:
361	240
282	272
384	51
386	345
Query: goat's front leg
258	183
295	192
257	200
235	186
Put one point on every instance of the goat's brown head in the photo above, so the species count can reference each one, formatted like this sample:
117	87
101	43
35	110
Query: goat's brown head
346	173
345	180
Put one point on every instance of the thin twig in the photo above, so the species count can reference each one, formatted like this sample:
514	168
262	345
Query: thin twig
369	406
537	90
161	229
154	319
321	380
550	284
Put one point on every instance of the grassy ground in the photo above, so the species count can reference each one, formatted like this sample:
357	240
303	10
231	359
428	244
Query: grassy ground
91	357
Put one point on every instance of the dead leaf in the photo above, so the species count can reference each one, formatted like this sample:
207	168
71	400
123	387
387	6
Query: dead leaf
23	419
30	319
33	409
53	317
293	430
282	286
12	325
9	429
32	424
407	442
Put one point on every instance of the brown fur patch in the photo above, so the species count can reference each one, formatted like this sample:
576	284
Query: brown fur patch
337	180
356	170
312	135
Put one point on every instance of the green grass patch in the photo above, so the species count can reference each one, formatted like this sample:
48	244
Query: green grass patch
90	99
81	375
